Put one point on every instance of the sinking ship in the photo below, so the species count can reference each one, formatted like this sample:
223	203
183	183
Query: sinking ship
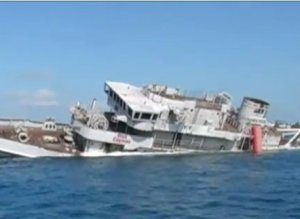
152	119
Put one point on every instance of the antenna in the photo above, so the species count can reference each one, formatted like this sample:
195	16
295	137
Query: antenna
93	105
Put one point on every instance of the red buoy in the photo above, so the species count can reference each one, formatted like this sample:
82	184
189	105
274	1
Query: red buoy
257	139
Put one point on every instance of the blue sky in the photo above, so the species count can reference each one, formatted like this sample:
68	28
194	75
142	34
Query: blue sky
53	54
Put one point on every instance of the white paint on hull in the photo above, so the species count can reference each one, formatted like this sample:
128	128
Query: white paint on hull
27	150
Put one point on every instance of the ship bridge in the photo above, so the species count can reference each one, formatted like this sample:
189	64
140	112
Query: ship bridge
130	101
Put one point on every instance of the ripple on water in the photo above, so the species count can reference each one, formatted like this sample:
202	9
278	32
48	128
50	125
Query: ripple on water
188	186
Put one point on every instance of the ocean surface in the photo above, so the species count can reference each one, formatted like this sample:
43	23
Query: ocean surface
186	186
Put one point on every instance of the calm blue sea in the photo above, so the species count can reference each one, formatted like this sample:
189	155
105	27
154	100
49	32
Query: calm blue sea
189	186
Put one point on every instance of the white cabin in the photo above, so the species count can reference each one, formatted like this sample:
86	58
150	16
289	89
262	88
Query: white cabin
160	107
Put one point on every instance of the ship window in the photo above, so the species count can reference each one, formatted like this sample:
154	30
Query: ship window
117	99
110	93
129	111
114	96
287	137
121	103
259	111
154	117
106	89
146	116
50	126
137	115
124	106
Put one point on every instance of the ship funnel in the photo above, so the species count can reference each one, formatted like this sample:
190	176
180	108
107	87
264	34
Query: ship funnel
253	111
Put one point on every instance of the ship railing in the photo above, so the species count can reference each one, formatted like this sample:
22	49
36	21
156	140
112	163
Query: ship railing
208	105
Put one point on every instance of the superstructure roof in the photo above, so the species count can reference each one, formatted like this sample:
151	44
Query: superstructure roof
134	97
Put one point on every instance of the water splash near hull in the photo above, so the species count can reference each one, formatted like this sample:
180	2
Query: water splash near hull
154	153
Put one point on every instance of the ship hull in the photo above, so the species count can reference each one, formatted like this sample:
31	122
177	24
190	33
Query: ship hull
7	155
9	148
203	143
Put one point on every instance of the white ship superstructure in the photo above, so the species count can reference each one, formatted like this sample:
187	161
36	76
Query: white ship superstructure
174	120
156	117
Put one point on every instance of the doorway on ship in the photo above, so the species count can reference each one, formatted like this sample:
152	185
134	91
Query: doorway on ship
177	139
245	144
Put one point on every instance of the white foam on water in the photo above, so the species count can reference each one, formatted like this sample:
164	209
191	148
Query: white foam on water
154	153
119	154
280	148
293	148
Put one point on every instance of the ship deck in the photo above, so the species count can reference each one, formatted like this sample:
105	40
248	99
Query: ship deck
36	135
